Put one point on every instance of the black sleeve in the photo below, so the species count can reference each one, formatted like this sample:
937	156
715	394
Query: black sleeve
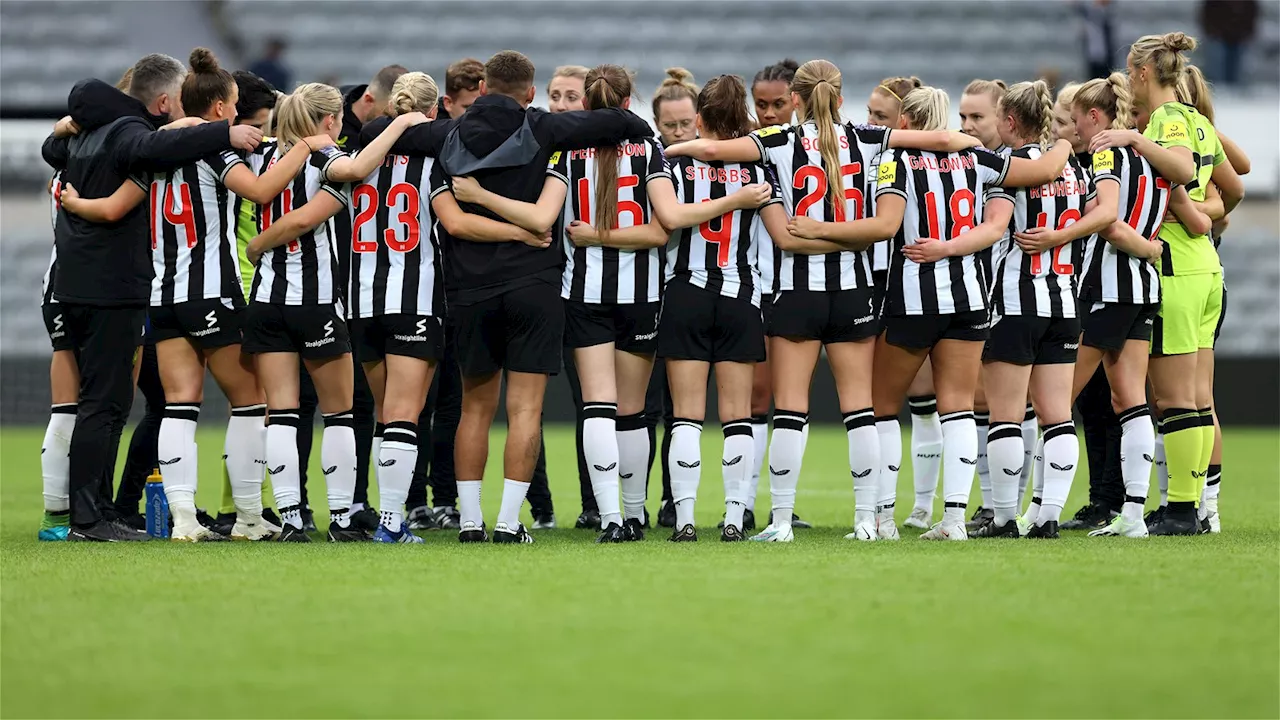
422	140
138	147
583	129
55	151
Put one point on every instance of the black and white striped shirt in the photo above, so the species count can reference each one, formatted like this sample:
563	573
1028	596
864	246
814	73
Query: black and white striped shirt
601	274
1110	275
395	259
793	153
193	233
1044	284
720	255
46	283
942	192
303	271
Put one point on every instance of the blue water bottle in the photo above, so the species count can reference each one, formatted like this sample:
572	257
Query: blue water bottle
157	506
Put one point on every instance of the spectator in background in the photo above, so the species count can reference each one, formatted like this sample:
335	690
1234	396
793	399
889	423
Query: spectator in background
271	67
1229	26
1099	47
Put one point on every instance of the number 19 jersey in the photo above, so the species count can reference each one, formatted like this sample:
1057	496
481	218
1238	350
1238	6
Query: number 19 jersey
395	259
720	255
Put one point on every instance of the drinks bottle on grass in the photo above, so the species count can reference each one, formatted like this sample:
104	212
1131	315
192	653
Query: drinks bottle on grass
157	506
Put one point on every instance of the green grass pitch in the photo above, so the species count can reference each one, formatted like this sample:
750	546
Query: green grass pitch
1176	627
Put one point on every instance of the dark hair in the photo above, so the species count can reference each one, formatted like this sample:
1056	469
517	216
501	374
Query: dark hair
722	105
781	71
380	86
465	74
607	86
155	75
508	73
205	84
255	94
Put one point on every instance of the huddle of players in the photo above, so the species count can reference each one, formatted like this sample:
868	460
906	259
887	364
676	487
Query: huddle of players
743	228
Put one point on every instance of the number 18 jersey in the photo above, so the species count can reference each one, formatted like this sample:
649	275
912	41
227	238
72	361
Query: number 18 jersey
721	255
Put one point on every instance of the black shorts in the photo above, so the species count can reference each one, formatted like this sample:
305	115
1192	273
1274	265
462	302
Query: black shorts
415	336
208	324
1222	315
1108	326
521	330
631	328
55	324
766	307
924	331
315	332
707	326
1033	340
832	317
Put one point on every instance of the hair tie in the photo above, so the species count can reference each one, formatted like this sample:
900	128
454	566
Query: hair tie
889	90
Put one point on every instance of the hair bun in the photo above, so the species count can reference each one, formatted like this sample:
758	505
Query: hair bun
1179	42
202	60
790	64
678	76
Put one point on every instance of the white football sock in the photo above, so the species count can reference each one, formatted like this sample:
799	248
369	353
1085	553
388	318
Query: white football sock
959	458
600	448
684	458
786	454
513	495
397	456
982	421
760	439
175	449
55	461
1212	483
736	461
1005	456
633	464
1030	436
1061	453
338	463
880	443
926	448
1137	452
245	448
469	503
282	464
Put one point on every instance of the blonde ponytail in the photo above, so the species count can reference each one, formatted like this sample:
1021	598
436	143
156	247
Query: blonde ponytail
1110	96
1031	105
818	84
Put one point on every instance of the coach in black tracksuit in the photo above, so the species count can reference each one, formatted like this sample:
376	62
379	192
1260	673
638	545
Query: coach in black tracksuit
104	274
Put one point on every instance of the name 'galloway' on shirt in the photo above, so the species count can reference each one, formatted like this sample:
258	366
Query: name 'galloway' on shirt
624	150
940	164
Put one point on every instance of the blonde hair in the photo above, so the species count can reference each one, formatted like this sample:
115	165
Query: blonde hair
300	113
1067	95
678	84
995	88
898	87
818	83
1031	105
413	92
571	71
1194	90
125	81
1111	96
1164	53
927	107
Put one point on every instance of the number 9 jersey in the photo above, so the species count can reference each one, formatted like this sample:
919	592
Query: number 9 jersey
721	255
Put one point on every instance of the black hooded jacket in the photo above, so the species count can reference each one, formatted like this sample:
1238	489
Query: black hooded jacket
109	264
349	140
505	147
